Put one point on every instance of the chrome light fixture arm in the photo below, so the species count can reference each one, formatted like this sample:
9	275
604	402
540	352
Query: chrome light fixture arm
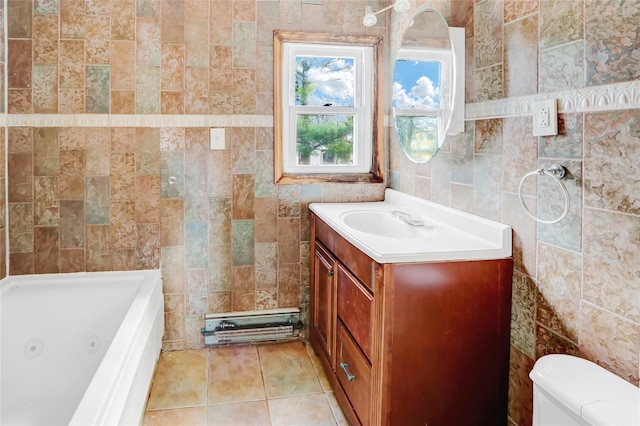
370	18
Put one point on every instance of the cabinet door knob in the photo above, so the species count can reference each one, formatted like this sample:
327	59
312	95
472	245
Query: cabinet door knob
344	366
330	273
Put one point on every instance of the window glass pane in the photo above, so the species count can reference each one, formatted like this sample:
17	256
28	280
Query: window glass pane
418	135
416	84
324	140
324	81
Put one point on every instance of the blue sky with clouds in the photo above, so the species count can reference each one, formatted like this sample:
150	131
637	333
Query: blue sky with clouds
415	84
333	84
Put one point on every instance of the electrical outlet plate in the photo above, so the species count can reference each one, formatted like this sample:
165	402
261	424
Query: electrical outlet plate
216	138
545	118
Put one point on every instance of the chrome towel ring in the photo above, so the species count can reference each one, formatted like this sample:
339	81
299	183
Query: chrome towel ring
556	172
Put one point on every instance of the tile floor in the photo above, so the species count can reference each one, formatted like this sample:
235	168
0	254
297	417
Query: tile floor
270	384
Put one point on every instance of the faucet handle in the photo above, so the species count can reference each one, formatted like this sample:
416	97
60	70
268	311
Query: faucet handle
411	216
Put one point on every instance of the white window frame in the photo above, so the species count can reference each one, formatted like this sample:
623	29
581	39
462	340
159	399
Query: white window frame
367	109
444	58
361	111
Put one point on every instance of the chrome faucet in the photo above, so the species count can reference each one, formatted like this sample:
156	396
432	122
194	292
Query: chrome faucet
412	218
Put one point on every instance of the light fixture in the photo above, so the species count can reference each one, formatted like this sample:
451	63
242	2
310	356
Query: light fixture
370	16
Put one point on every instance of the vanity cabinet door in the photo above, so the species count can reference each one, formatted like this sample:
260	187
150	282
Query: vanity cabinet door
355	307
323	312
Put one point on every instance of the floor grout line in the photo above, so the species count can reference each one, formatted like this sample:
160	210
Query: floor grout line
307	349
206	406
264	384
206	389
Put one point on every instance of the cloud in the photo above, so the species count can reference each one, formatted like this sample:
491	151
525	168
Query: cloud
425	89
424	95
335	83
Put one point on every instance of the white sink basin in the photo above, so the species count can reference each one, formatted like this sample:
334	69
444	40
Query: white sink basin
383	224
447	234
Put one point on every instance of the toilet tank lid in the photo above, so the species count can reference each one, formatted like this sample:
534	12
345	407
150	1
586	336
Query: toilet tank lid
587	389
607	413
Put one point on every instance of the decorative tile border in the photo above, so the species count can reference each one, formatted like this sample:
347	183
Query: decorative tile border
589	99
134	120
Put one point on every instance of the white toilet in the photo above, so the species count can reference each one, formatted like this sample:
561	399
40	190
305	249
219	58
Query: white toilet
572	391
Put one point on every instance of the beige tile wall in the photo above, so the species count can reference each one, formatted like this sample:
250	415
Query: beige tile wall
101	198
576	287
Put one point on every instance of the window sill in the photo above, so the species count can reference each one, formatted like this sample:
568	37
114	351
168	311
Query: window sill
307	178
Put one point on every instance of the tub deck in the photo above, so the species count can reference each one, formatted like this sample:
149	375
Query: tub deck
74	344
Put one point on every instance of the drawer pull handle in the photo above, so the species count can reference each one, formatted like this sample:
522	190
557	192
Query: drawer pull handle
330	273
350	377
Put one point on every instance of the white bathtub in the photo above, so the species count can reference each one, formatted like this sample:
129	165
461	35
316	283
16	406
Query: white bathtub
79	349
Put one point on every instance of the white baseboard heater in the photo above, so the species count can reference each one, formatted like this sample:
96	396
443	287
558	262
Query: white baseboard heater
251	326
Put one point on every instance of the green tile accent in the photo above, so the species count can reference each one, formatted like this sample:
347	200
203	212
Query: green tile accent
97	201
147	151
196	207
46	7
97	100
219	220
148	8
311	190
220	267
244	54
243	251
195	238
265	188
148	90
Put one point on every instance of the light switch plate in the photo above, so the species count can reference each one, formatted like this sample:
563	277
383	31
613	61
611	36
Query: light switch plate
545	118
216	138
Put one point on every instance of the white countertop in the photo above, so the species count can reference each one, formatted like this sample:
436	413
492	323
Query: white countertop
447	235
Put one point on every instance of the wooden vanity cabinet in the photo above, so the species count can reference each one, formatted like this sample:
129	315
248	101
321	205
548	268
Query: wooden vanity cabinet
324	293
411	343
